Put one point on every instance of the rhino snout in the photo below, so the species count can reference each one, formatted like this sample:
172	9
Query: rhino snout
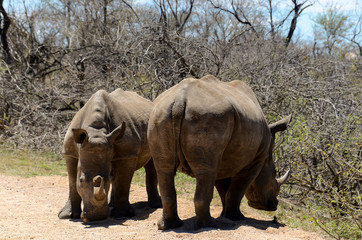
96	214
272	205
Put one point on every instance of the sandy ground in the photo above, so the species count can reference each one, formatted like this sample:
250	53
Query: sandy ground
29	208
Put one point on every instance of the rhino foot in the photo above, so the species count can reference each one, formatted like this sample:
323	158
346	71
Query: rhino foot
67	213
206	223
164	224
233	215
119	212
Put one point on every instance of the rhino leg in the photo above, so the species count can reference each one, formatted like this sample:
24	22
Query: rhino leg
154	200
237	189
72	207
170	218
123	173
164	161
202	200
234	194
222	187
203	142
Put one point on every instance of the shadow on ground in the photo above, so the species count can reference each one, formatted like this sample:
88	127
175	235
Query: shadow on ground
227	224
142	209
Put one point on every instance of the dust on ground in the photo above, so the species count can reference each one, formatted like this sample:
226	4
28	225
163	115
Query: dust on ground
29	209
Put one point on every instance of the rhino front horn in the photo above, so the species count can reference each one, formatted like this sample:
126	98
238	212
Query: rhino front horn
99	192
284	178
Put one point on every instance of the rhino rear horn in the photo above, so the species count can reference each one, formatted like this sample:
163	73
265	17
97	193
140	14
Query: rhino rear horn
116	133
281	125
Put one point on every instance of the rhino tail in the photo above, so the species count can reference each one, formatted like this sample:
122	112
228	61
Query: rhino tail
178	114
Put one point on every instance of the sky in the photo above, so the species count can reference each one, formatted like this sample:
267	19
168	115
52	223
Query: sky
305	22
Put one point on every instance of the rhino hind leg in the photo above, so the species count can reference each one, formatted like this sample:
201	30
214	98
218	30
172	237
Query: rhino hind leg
170	218
222	187
154	200
202	200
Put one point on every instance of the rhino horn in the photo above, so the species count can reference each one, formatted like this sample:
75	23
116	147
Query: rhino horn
281	125
99	192
284	178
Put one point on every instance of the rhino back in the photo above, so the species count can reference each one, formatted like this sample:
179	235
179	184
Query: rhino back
225	116
108	111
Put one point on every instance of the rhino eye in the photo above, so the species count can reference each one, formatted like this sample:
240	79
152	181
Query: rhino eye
82	179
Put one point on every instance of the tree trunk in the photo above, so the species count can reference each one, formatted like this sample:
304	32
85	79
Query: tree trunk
293	25
3	31
297	11
105	5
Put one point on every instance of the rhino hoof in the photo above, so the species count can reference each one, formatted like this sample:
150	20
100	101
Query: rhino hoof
64	215
208	223
67	213
164	224
234	216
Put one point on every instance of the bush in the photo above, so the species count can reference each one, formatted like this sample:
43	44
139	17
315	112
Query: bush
137	49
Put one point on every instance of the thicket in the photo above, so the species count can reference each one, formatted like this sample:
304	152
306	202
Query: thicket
61	52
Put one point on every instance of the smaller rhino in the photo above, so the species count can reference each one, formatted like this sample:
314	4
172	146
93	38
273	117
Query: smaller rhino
105	144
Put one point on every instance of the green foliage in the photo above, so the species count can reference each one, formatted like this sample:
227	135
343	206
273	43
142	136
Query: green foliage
326	174
28	163
185	184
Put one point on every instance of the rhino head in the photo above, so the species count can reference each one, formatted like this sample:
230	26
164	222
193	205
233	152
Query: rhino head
262	193
94	169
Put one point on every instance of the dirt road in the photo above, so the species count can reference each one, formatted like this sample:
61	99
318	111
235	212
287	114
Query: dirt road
29	208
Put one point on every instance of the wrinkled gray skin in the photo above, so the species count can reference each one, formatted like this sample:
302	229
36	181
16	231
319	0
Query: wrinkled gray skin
105	143
217	133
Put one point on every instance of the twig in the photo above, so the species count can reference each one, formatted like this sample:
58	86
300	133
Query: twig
319	225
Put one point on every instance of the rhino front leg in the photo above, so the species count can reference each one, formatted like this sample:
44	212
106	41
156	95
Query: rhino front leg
123	172
233	196
238	186
72	207
154	200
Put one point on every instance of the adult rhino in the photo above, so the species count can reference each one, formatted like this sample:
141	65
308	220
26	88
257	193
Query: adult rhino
105	143
216	132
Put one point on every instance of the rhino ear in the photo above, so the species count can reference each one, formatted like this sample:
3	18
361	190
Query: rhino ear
116	133
80	135
281	125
